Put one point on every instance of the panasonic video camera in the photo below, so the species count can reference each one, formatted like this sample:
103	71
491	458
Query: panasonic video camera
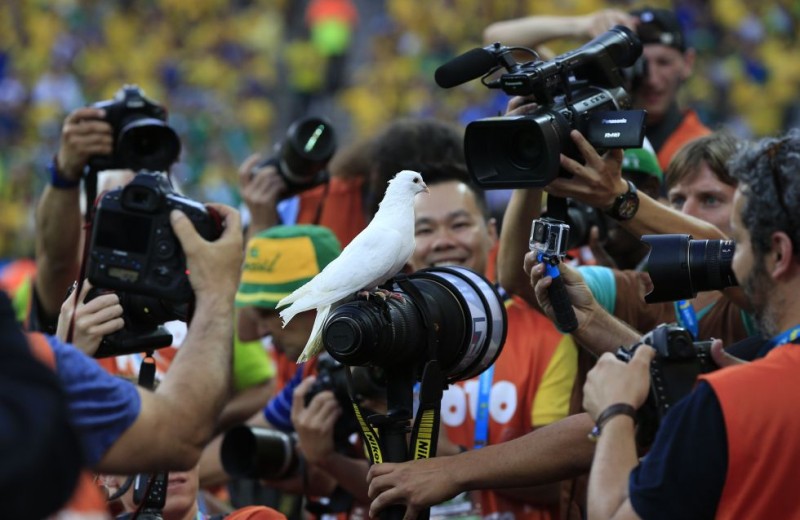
673	373
583	89
134	252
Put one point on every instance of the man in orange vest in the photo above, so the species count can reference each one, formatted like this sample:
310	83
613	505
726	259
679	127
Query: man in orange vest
729	449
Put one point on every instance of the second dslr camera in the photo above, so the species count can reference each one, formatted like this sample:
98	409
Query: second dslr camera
142	138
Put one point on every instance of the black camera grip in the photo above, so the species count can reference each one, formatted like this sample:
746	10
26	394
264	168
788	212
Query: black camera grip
566	321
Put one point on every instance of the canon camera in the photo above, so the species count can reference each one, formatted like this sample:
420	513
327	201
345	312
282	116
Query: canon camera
142	138
134	252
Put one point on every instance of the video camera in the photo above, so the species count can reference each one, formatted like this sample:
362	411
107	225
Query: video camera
583	89
680	267
142	138
134	252
303	154
673	373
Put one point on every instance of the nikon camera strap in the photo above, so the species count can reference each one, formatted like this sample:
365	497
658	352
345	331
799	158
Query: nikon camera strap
425	431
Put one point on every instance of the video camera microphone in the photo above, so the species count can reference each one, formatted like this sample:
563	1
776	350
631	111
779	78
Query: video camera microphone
468	66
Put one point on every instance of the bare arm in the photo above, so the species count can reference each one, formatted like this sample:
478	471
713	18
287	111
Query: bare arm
534	30
314	424
261	189
597	330
523	207
549	454
599	181
612	382
58	218
178	419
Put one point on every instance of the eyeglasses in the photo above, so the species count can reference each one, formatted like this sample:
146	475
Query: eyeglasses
771	153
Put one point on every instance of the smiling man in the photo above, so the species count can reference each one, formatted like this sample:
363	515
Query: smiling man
530	383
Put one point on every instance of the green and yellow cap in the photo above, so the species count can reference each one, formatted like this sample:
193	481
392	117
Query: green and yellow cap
642	160
282	259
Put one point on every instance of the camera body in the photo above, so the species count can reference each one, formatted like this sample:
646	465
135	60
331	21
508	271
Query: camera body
679	267
133	247
549	238
303	154
142	138
673	373
583	89
134	252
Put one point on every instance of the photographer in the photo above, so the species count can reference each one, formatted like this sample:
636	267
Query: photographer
727	450
94	138
280	260
669	63
699	175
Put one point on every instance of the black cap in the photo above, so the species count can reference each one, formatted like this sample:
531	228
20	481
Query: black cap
660	26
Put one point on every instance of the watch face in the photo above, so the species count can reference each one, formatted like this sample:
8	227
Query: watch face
628	208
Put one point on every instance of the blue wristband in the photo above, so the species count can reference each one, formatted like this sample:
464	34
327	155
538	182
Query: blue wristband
57	181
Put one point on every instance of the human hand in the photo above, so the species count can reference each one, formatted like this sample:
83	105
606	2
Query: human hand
314	423
83	135
416	485
261	189
613	381
597	182
595	24
94	319
521	105
213	267
722	358
583	302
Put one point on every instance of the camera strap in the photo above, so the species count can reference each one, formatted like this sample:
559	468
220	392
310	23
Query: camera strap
368	433
425	432
688	317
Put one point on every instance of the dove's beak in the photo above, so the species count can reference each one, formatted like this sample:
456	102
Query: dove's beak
425	188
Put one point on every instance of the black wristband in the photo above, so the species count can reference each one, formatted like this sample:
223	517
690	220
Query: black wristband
57	181
607	414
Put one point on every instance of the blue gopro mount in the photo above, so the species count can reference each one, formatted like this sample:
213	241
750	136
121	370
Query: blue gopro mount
549	239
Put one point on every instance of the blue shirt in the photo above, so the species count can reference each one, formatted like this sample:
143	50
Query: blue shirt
683	474
101	406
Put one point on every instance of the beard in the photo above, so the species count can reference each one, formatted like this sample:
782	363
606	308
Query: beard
758	287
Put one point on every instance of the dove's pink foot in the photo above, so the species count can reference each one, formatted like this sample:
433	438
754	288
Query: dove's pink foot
385	294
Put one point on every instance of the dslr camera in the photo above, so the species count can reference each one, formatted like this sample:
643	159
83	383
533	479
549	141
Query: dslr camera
263	453
134	252
673	373
303	154
582	89
680	267
142	138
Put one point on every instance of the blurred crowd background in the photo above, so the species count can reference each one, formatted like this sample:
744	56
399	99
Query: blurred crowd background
235	73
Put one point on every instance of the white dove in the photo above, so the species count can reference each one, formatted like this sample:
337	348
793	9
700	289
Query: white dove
376	254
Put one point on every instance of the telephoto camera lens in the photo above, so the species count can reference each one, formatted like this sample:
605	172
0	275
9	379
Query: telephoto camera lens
463	308
680	267
258	453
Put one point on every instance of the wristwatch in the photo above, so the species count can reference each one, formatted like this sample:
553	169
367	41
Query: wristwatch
625	205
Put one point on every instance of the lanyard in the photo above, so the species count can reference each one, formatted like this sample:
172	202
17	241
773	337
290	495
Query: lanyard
687	316
482	414
788	336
